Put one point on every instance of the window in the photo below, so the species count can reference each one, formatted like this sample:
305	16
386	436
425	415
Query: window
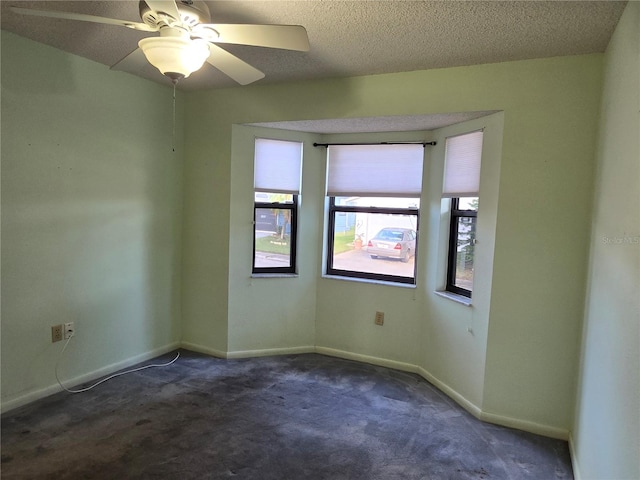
462	183
462	240
275	213
374	198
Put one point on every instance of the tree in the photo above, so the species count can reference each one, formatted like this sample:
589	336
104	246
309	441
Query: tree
284	212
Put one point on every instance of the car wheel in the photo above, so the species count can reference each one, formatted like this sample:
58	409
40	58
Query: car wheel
406	256
374	256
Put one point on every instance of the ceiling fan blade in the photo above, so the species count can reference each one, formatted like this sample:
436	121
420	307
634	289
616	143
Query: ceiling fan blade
84	18
229	64
288	37
168	7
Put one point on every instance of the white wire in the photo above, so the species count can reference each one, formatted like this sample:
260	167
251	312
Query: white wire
104	379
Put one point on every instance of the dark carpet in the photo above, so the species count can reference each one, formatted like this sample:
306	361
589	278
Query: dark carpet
286	417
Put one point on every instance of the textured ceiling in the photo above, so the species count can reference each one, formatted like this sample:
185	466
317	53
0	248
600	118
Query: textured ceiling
347	37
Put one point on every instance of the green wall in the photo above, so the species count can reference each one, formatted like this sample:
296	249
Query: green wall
534	306
606	437
541	243
272	313
91	218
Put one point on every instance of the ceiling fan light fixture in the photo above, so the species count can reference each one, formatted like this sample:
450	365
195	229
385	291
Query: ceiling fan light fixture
175	57
187	40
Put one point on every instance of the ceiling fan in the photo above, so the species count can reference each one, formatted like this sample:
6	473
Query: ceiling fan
187	38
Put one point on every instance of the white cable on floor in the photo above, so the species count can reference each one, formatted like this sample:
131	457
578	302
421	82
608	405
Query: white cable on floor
104	379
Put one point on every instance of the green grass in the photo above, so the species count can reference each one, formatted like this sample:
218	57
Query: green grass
343	242
273	244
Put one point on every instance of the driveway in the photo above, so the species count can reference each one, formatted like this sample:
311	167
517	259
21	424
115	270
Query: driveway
268	260
357	260
360	261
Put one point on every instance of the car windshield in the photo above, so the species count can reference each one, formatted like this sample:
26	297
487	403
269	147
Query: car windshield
391	235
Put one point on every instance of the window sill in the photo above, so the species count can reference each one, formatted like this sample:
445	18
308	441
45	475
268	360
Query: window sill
274	275
455	297
370	281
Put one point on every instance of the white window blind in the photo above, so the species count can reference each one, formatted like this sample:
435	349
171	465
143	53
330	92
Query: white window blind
277	166
375	170
462	165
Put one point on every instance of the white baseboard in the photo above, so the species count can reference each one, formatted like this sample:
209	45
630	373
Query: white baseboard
28	397
461	400
195	347
574	458
382	362
25	398
270	351
526	425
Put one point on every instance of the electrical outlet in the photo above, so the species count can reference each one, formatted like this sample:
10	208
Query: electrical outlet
56	333
379	318
69	330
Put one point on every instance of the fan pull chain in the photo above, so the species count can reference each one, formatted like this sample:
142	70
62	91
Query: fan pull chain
173	133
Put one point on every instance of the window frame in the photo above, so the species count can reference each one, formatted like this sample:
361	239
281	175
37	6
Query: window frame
452	257
293	206
333	209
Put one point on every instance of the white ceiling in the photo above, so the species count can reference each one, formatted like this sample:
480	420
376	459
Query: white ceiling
347	38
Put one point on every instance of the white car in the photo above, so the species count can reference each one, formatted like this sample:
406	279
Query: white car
393	243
